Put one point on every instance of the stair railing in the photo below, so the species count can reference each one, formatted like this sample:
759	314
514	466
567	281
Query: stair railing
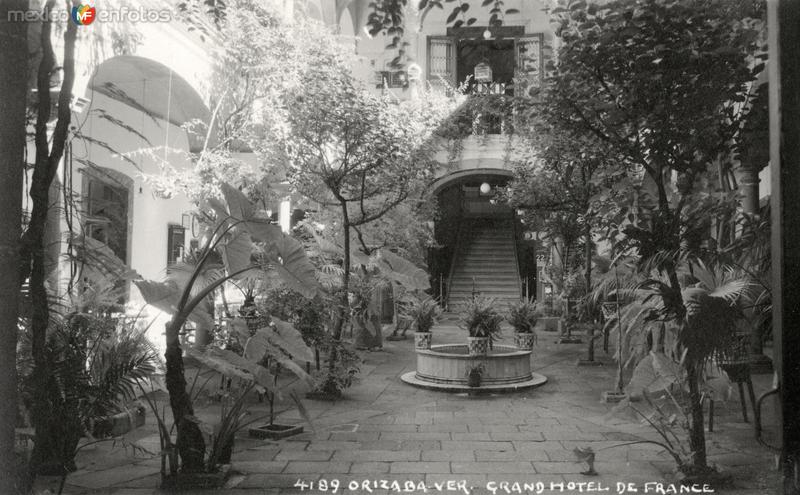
453	260
515	234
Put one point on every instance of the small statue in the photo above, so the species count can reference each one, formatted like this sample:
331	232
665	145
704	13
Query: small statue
586	455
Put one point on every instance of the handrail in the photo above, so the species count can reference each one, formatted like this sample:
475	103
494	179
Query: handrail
757	420
456	248
516	254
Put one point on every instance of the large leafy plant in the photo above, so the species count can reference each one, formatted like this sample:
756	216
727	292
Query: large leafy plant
522	316
481	318
670	338
423	313
247	244
96	361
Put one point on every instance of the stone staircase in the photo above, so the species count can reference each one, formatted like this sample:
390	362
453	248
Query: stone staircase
486	263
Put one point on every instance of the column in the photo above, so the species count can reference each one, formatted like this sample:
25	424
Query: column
784	125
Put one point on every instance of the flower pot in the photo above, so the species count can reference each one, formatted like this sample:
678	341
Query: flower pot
422	340
478	346
524	340
474	378
275	431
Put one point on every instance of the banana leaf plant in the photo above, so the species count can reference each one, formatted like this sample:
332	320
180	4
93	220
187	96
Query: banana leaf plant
693	325
246	244
274	346
379	266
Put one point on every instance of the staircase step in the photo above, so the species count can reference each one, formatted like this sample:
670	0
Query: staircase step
485	264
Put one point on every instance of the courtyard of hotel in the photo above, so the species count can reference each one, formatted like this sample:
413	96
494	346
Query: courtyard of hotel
386	431
468	246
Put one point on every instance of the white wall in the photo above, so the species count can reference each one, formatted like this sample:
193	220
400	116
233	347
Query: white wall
150	215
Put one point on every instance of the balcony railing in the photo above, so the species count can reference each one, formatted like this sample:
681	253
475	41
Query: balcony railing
484	112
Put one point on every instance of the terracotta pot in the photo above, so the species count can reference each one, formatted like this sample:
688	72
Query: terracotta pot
478	346
474	378
422	340
524	340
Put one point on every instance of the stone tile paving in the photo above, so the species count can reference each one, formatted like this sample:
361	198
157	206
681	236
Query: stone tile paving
387	431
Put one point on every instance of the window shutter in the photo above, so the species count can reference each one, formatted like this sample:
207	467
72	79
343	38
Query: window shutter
530	66
441	61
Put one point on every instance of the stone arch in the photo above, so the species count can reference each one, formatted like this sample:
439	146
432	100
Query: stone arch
470	174
133	123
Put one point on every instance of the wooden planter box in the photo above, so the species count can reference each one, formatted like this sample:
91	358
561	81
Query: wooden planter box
275	431
120	423
191	482
550	323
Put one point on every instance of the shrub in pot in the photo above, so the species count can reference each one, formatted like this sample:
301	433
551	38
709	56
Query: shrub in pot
423	315
482	321
522	316
475	375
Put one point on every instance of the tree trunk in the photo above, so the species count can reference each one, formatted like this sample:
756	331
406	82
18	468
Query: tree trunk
190	443
344	303
34	262
588	260
697	434
13	88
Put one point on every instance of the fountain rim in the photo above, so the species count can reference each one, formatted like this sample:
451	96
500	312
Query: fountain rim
512	351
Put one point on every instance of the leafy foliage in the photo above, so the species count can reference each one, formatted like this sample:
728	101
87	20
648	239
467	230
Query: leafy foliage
522	316
95	363
423	313
481	318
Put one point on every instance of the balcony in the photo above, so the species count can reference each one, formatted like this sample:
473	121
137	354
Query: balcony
487	110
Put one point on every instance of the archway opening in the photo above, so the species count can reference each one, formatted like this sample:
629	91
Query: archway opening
482	249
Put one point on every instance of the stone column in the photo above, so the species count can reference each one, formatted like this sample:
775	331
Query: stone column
784	125
748	187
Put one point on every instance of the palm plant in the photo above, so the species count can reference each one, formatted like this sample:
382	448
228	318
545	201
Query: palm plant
698	322
423	313
481	318
96	361
522	316
246	244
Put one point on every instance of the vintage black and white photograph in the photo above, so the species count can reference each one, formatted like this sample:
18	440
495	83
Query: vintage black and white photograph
459	247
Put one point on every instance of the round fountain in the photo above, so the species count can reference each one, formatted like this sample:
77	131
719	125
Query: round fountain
446	367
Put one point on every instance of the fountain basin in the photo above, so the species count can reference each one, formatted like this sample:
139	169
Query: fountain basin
444	367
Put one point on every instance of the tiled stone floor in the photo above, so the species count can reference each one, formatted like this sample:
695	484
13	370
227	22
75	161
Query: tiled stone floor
387	430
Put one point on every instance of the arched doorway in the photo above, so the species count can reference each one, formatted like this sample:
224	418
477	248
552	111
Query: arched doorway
482	250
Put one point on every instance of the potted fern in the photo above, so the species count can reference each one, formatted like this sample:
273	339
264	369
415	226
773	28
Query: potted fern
423	314
482	322
522	316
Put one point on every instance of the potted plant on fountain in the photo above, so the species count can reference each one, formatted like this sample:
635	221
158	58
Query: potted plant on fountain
522	316
482	322
475	374
423	314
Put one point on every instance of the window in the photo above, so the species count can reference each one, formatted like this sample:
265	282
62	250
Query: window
107	215
176	243
514	57
391	79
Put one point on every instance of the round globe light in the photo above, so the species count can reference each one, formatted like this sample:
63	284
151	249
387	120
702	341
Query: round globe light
486	188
